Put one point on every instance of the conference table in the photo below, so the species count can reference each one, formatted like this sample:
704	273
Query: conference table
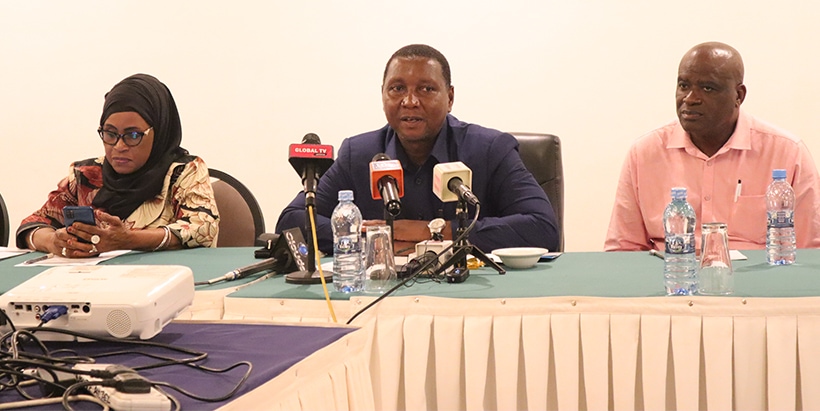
588	330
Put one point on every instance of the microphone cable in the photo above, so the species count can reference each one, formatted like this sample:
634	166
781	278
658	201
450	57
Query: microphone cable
311	213
421	268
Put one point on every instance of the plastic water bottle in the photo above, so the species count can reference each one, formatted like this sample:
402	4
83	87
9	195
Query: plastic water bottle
680	265
780	240
346	222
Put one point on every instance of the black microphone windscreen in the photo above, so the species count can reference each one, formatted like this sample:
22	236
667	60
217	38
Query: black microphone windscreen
424	265
454	184
311	138
380	157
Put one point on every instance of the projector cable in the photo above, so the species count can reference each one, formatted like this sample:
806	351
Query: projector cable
52	312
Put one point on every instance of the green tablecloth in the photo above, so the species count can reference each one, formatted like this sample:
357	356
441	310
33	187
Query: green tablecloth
597	274
206	263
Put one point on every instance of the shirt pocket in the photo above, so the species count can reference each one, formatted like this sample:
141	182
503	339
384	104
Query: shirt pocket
748	220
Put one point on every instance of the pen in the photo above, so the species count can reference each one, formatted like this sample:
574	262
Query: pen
38	259
656	253
737	190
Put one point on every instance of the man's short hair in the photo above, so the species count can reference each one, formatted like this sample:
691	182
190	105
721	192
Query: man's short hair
421	50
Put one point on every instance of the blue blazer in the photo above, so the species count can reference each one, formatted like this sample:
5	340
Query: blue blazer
514	209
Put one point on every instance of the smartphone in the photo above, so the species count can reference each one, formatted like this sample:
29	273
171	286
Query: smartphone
82	214
549	256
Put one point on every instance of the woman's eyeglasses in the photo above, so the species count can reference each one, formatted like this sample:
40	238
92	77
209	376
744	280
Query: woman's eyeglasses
131	138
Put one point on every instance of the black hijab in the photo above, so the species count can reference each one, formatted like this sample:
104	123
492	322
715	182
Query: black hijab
121	194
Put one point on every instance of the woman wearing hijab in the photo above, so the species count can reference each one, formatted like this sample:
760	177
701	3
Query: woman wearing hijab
148	193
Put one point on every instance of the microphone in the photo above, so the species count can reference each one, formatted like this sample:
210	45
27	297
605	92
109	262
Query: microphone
425	261
310	159
451	182
264	265
387	182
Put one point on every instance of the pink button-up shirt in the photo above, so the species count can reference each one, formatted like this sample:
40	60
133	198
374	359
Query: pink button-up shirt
666	158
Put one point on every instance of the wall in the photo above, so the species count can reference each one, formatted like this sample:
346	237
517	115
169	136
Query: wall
252	77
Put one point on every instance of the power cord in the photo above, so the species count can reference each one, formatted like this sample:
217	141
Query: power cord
19	368
196	355
218	371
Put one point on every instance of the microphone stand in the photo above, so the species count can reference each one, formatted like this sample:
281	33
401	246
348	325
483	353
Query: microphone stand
463	247
388	218
309	275
311	262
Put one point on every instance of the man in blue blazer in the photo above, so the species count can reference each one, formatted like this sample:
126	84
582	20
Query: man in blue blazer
417	96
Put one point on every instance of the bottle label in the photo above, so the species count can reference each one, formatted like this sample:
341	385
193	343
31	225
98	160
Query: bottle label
781	219
344	245
680	244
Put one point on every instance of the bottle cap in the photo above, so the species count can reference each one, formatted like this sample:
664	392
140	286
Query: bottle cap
345	195
678	193
778	173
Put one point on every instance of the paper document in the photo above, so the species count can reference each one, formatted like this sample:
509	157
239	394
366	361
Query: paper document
6	252
736	255
60	260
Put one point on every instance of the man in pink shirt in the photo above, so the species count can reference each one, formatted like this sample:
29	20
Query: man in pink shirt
715	150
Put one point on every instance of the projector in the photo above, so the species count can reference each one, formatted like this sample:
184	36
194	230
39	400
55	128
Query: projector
121	301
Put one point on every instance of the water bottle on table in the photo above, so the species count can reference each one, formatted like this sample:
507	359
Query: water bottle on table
346	223
780	240
680	265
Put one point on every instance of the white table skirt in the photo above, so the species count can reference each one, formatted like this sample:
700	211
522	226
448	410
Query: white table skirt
570	353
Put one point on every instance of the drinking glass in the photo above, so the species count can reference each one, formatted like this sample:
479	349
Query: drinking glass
380	268
715	276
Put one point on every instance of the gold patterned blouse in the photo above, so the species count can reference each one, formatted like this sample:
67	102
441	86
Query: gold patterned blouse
186	203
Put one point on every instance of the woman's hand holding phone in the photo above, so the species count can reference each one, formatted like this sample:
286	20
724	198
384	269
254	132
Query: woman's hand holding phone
81	224
81	239
79	214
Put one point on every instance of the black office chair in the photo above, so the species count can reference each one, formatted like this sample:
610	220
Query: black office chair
4	223
541	154
240	217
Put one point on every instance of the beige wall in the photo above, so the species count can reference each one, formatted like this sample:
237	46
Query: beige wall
251	77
